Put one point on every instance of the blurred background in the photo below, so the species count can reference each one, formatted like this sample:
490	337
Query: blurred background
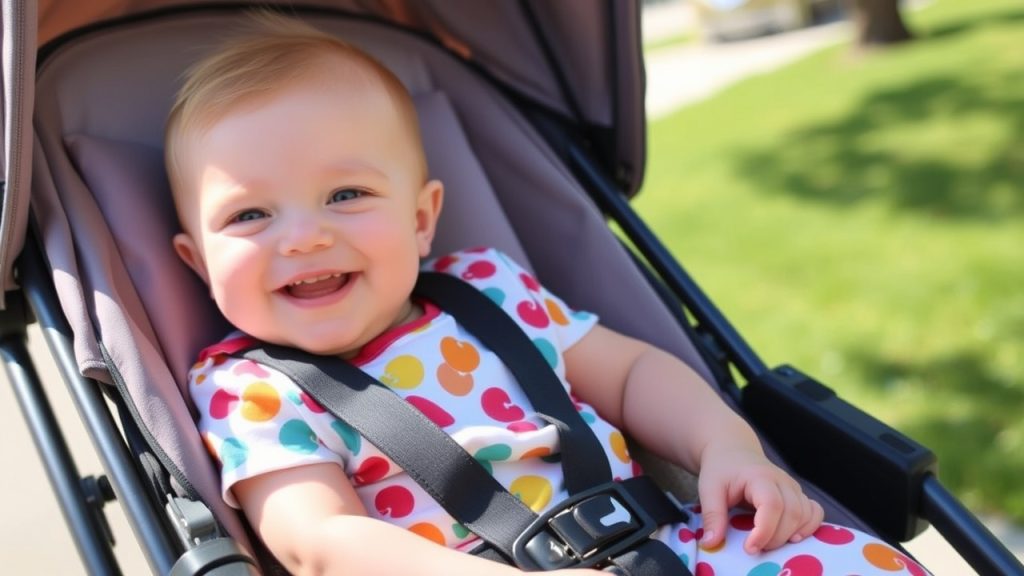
845	178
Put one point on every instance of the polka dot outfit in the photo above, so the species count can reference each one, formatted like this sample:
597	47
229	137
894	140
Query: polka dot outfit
255	420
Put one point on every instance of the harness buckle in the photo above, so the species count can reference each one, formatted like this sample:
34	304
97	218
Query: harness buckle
584	530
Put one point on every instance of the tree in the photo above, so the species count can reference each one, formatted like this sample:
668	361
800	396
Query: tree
878	22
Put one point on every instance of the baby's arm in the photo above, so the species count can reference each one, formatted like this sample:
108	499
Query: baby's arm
312	520
665	406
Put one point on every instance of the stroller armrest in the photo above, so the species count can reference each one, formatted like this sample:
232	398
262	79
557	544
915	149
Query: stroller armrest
876	471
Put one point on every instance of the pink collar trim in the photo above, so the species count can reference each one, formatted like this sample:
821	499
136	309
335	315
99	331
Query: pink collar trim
366	354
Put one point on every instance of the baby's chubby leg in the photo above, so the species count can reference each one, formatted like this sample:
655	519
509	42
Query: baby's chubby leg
830	550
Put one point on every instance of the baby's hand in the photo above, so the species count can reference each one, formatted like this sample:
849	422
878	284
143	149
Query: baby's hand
729	477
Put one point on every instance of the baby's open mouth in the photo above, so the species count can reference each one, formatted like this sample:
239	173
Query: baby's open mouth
317	287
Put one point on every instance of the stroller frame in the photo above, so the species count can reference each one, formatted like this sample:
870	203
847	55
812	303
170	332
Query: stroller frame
179	537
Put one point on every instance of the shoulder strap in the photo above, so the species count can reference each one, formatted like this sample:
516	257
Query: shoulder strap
584	460
460	484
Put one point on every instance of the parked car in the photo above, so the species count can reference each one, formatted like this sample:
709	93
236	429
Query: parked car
734	19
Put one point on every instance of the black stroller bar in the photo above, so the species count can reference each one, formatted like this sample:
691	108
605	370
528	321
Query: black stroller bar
90	540
144	519
930	500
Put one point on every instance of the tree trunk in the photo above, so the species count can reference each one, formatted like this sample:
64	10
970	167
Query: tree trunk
878	22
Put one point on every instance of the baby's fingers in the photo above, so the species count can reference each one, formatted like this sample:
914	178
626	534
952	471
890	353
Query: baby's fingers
814	516
769	504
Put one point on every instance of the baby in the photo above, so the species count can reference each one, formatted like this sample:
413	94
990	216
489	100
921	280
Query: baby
306	207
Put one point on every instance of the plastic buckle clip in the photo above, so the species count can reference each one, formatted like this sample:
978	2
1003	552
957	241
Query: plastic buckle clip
583	531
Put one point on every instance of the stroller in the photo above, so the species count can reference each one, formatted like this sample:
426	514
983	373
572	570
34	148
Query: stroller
519	101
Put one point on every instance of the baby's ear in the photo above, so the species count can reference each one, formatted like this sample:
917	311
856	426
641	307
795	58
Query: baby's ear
189	253
428	209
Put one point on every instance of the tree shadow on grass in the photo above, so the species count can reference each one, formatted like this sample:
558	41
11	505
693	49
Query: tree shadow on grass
845	162
971	413
1007	17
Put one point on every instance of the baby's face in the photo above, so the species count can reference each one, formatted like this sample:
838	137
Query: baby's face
306	214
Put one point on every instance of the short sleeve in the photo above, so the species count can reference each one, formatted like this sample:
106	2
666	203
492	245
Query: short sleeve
254	420
519	294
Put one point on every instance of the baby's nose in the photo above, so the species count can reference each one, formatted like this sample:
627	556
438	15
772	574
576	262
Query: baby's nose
306	235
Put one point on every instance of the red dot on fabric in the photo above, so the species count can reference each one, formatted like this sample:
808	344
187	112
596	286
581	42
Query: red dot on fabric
479	270
529	282
836	535
372	469
704	569
744	522
533	314
394	501
803	565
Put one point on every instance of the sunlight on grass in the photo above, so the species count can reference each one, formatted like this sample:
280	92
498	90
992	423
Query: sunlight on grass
863	218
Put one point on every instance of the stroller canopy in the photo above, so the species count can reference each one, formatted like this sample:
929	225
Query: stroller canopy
579	59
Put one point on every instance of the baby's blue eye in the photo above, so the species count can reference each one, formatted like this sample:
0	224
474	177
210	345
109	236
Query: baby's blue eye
249	215
343	194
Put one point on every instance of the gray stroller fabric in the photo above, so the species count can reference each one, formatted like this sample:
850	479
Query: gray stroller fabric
138	314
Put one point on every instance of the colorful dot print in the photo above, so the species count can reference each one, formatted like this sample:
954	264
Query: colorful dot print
254	420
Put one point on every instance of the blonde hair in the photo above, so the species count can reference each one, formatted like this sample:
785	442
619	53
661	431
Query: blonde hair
272	53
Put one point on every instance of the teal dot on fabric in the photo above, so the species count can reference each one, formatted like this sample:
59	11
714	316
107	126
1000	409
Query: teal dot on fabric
547	350
494	452
295	398
353	441
487	466
588	417
581	314
765	569
495	294
233	453
460	530
684	559
297	436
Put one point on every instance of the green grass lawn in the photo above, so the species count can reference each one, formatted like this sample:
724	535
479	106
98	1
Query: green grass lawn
862	217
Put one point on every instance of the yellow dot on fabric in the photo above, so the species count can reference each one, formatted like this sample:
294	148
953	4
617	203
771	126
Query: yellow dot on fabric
555	312
405	372
260	402
200	379
884	557
462	356
428	531
534	491
618	443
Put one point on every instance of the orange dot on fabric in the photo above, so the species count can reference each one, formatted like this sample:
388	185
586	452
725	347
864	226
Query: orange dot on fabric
260	402
539	452
884	557
200	379
462	356
534	491
428	531
556	313
454	382
712	549
618	443
405	372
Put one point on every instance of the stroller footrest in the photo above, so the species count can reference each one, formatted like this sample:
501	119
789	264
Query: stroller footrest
870	467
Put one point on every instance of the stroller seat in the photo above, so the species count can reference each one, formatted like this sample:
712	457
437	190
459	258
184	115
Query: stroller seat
104	216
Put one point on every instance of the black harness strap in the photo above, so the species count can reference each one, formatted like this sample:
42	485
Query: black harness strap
573	532
460	484
584	461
